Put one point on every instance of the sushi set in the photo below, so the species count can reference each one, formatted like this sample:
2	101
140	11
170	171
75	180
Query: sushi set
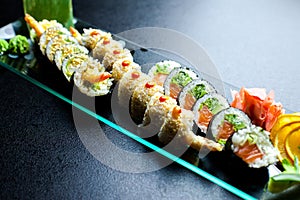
237	134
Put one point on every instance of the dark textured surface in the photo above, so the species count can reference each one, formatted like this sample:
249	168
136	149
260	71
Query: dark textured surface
252	43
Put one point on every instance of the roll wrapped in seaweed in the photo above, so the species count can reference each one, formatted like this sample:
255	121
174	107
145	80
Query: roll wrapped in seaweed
141	97
177	129
115	54
160	71
227	122
175	118
122	66
194	91
91	78
71	63
67	50
253	146
206	107
105	45
177	79
57	43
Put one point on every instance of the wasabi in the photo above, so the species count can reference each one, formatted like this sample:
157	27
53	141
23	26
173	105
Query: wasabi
19	45
3	46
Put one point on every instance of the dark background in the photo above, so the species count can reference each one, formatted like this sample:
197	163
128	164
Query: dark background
252	43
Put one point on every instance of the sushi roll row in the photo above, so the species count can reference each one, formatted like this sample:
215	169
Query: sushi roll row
171	97
71	57
194	101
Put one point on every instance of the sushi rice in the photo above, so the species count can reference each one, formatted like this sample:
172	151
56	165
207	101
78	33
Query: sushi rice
121	66
105	45
161	70
257	140
177	80
89	78
49	34
71	63
206	107
57	43
193	91
66	50
141	97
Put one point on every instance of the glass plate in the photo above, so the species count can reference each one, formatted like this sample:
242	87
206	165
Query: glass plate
221	168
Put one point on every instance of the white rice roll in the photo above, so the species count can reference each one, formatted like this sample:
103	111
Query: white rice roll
49	34
57	43
121	66
253	146
177	118
227	122
160	71
177	80
115	54
105	45
194	91
128	83
91	78
91	36
71	63
141	97
206	107
158	109
67	50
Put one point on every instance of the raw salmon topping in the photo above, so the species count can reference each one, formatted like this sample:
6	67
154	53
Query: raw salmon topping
205	116
249	152
225	131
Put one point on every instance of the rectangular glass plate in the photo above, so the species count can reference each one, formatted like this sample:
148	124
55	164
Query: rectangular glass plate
220	168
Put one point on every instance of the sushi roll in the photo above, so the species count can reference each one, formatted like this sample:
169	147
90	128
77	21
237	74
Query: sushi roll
176	131
227	122
57	43
115	54
122	66
71	63
175	118
50	33
105	45
177	79
91	36
67	50
160	71
91	78
253	146
128	83
158	109
141	97
194	91
206	107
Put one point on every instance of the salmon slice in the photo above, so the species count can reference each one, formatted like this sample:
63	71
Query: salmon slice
189	101
225	131
205	115
174	90
249	153
160	78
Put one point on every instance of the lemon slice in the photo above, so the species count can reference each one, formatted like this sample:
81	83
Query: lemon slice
292	144
280	138
283	120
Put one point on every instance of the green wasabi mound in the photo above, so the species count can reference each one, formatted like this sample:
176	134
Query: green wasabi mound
4	46
19	45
